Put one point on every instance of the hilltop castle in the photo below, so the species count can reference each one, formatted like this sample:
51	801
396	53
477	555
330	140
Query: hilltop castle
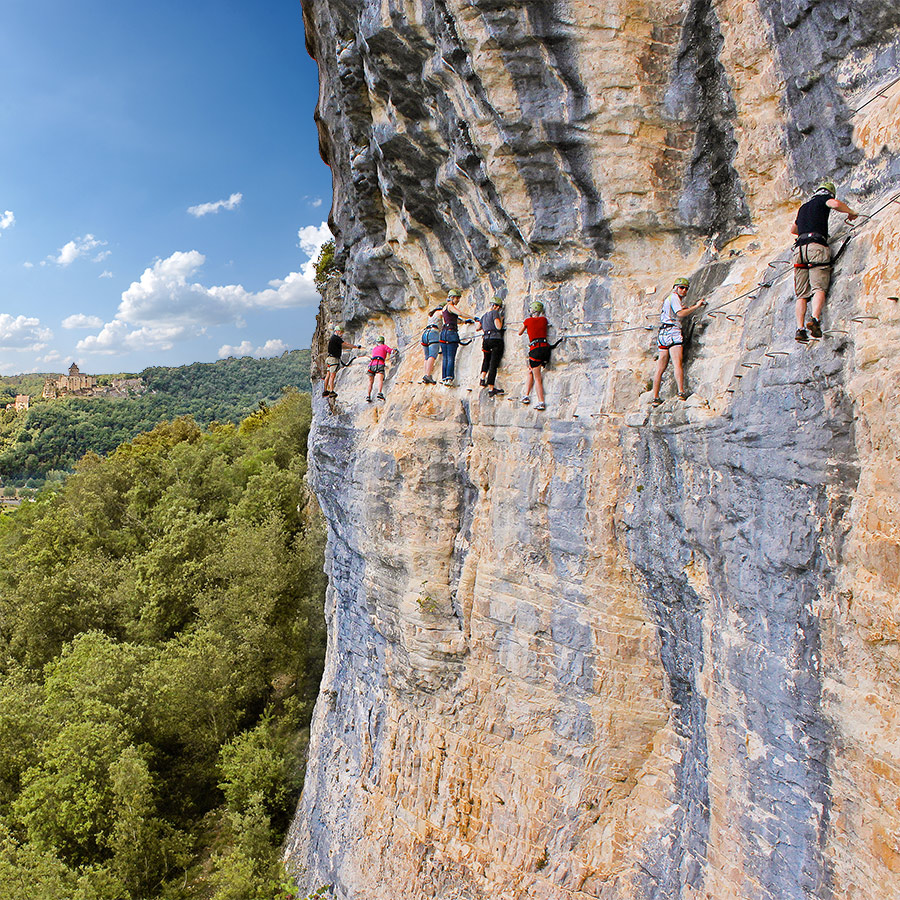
73	384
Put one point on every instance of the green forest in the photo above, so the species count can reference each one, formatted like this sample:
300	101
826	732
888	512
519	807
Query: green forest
49	438
161	645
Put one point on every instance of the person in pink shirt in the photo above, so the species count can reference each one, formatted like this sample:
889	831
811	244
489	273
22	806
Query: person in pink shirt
380	354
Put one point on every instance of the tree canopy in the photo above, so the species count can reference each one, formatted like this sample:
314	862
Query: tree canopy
161	644
51	437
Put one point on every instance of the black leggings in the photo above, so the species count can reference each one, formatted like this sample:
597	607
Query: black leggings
493	353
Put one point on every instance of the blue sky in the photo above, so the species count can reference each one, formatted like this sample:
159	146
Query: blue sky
161	191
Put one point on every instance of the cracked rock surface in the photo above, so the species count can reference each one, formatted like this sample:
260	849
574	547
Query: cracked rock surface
609	651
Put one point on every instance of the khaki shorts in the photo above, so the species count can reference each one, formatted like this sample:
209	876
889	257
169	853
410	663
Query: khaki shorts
816	278
332	363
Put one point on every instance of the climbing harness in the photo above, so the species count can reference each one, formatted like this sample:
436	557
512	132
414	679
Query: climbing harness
805	262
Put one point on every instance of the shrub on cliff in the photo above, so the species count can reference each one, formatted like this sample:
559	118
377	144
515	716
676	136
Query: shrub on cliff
325	266
161	643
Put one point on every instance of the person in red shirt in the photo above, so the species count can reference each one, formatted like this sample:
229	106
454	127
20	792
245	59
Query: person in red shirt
538	352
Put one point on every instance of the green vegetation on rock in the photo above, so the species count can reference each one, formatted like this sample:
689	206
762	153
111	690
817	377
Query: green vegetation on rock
161	644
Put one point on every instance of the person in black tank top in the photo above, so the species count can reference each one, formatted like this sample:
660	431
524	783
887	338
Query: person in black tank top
812	256
336	346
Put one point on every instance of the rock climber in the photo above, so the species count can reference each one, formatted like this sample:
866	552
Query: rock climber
336	347
671	341
492	345
451	314
380	354
812	256
538	352
431	342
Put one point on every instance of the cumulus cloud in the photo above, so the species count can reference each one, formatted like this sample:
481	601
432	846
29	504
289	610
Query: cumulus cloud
7	220
168	305
28	265
273	347
312	237
245	348
51	357
22	333
80	320
81	246
204	209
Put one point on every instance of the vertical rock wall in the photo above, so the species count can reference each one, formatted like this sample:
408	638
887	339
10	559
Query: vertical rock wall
604	651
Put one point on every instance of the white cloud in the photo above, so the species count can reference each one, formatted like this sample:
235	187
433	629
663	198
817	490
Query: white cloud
166	305
316	203
80	320
105	274
273	347
245	348
204	209
28	265
51	357
22	333
102	255
81	246
312	237
7	220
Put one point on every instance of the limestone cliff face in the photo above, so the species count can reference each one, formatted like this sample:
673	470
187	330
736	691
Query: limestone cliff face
603	651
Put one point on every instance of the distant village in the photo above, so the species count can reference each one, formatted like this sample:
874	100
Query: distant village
77	385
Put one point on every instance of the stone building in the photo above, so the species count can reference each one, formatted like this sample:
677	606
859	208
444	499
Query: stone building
22	402
72	384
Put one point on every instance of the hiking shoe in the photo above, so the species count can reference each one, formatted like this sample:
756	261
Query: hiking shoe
379	396
526	400
368	399
540	405
683	395
801	336
815	327
481	383
325	393
447	382
656	401
494	391
427	379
